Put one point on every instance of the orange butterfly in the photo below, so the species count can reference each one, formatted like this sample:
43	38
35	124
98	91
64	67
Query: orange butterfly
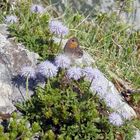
72	48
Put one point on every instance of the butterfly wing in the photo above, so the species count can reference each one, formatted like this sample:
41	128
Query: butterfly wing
78	52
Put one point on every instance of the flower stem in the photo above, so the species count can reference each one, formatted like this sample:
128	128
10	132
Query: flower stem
60	41
27	87
27	91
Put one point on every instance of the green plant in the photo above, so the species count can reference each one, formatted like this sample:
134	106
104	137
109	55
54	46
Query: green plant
66	109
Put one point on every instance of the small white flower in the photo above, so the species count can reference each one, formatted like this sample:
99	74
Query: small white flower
115	119
28	71
75	73
35	8
47	69
58	28
10	19
62	61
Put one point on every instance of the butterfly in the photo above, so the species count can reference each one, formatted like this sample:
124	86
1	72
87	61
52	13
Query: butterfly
73	49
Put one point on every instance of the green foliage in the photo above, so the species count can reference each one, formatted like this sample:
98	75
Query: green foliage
68	110
110	43
62	110
32	30
113	44
4	6
18	128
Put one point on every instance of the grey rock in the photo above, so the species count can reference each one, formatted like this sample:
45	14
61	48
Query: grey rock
12	58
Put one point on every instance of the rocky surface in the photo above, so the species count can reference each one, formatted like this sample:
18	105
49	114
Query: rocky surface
13	57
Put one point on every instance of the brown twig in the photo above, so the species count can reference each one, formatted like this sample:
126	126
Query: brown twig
5	116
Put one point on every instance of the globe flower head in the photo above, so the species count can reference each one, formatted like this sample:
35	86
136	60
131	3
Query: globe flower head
75	73
115	119
28	71
58	28
111	100
99	83
62	61
89	73
35	8
47	69
10	19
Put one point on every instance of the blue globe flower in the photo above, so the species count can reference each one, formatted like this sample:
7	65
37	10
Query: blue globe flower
35	8
47	69
62	61
74	73
28	71
115	119
58	28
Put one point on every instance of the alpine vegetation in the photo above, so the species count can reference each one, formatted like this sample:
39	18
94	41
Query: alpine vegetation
62	61
56	27
70	100
28	71
74	73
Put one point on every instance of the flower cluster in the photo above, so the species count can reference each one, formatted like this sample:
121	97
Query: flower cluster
28	71
89	73
111	100
75	73
35	8
10	19
98	80
62	61
47	69
56	27
118	119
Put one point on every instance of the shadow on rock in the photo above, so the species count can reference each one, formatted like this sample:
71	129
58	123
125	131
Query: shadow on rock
19	81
